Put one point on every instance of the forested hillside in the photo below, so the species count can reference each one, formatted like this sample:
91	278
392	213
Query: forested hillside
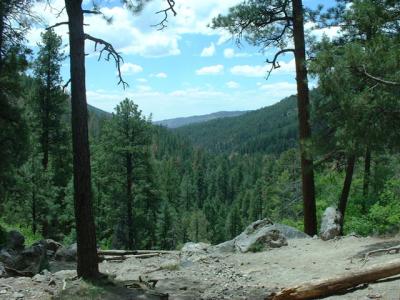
272	129
179	122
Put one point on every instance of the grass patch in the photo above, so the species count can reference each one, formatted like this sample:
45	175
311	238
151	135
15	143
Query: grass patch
26	231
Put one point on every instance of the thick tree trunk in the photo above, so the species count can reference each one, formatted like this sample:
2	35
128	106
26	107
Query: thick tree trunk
85	228
330	286
351	160
129	200
34	227
303	103
367	172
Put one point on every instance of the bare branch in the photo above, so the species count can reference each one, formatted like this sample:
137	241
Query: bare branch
93	12
274	62
66	84
380	80
110	53
57	24
163	23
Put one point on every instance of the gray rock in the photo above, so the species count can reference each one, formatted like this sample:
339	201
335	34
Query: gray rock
15	240
67	253
290	232
32	259
195	247
6	258
262	238
52	245
225	247
260	235
330	226
3	272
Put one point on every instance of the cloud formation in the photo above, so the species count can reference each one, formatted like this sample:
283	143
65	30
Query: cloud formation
210	70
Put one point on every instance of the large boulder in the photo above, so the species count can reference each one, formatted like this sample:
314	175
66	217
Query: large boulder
191	247
330	226
32	259
15	240
260	235
67	253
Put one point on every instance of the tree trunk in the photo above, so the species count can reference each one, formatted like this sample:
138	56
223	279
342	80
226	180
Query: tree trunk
2	12
34	227
351	160
87	266
330	286
303	103
367	172
129	200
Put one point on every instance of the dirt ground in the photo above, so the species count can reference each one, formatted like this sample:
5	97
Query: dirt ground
224	276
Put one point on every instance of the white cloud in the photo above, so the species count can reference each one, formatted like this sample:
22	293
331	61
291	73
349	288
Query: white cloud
281	89
210	70
229	53
262	70
232	84
208	51
133	34
142	80
130	69
159	75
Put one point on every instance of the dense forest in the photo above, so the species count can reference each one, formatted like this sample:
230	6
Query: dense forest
157	188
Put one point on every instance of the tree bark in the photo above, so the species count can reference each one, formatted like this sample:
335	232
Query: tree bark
351	160
334	285
87	265
303	103
129	200
367	172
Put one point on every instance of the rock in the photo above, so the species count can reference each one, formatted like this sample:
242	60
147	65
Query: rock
225	247
67	254
290	232
65	274
6	258
260	235
195	247
52	245
15	240
32	259
3	272
261	239
330	226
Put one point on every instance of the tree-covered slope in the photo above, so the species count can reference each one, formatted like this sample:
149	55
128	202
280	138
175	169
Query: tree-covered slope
179	122
272	129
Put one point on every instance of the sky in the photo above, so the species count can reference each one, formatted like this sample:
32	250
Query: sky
186	69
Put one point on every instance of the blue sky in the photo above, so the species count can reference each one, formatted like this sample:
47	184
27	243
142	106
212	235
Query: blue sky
186	69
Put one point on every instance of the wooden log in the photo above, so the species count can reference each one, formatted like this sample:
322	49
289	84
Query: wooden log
133	252
116	252
14	272
123	257
341	283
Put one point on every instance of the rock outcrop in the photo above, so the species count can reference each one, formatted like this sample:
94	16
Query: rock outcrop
330	226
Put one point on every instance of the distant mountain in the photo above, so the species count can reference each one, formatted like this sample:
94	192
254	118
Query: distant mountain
272	129
179	122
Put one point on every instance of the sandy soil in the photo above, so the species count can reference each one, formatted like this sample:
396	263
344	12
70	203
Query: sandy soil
241	276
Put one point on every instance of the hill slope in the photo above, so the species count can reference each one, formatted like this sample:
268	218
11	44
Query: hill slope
272	129
179	122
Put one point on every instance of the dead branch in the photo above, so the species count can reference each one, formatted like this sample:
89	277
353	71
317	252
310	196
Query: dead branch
274	62
57	24
111	53
163	23
338	284
14	272
66	84
380	80
391	250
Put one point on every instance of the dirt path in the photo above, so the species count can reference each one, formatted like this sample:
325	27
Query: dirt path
235	276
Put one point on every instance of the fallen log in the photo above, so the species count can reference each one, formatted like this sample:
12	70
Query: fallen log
133	252
340	283
123	257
